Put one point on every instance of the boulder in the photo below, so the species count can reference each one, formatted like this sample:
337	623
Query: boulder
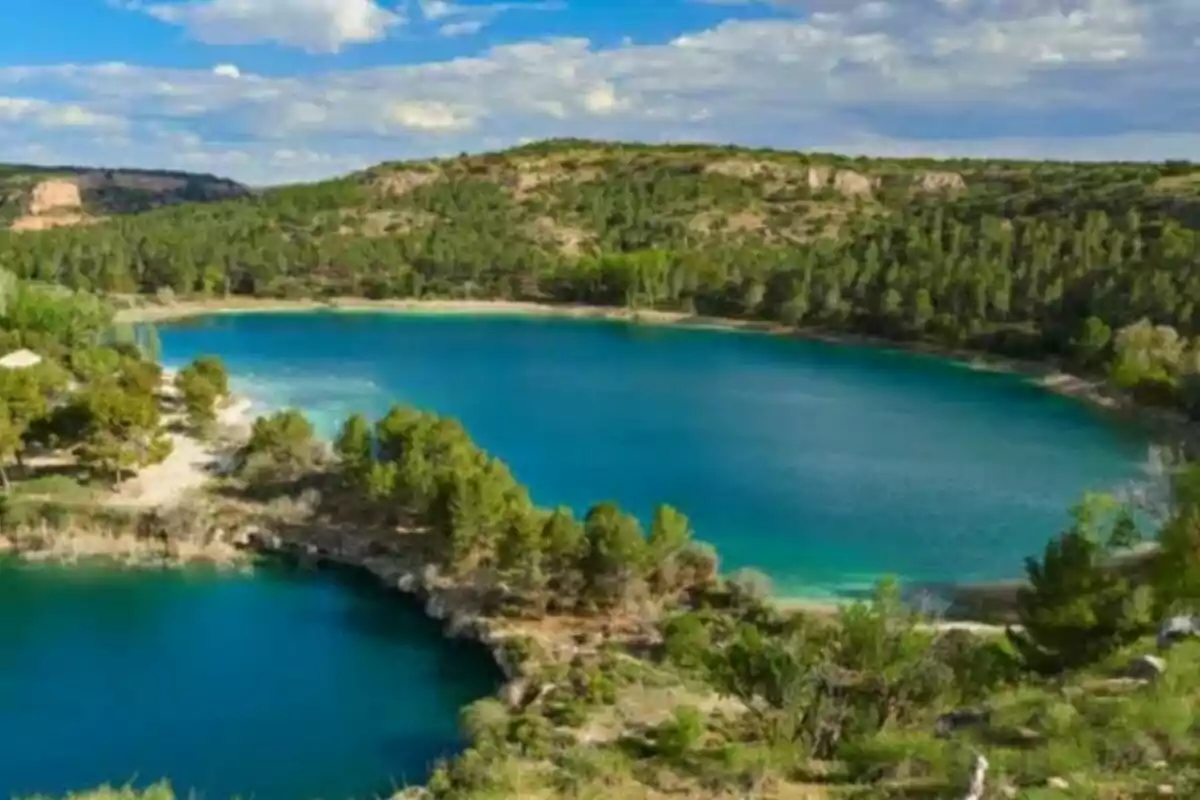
1147	668
935	181
960	719
1176	629
849	183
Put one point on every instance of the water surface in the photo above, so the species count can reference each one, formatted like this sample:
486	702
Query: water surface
277	686
826	466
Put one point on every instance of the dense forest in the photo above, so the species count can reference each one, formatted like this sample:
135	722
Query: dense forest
1022	258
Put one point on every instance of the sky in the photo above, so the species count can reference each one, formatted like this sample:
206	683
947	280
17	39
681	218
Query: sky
274	91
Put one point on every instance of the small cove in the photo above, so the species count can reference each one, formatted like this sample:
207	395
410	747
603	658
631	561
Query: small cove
275	685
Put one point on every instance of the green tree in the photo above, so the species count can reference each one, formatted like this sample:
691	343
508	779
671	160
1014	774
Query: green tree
1076	609
121	430
10	442
616	554
354	446
281	446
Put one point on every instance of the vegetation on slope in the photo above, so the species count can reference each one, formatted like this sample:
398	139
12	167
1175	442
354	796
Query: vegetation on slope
645	675
1020	258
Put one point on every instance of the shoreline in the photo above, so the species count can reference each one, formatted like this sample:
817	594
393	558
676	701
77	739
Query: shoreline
1047	376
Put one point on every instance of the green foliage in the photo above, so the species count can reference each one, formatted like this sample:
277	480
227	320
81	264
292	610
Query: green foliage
120	429
159	791
201	385
1076	609
281	446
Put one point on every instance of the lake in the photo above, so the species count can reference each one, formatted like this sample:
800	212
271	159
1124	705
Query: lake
279	685
825	466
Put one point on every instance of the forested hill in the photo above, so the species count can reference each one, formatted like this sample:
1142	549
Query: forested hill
1006	255
38	197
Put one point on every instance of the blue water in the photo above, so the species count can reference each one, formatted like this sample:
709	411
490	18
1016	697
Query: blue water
825	466
276	686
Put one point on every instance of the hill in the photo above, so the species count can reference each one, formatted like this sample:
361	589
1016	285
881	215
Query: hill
1005	256
37	197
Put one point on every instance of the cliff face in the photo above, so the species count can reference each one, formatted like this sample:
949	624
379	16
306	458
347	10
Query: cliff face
35	198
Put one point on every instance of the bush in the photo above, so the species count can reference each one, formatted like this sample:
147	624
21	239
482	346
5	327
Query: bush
1076	610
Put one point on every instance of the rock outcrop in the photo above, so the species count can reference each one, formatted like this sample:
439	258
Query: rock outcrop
940	182
54	195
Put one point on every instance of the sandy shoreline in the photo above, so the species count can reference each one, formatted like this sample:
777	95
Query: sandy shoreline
1093	391
192	462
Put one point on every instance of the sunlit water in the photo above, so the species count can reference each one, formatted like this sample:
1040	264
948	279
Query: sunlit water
825	466
277	686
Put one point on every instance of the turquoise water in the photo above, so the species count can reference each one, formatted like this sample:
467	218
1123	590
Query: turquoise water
825	466
277	686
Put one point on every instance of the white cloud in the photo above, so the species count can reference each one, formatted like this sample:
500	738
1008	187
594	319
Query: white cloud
469	19
45	114
227	71
319	26
468	27
905	76
429	116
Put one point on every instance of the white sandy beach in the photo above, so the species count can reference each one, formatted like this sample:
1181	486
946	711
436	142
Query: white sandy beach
191	462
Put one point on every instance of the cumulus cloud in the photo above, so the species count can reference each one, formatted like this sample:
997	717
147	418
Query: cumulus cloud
318	26
942	77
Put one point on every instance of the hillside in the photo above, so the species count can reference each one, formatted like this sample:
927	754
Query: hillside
1001	255
36	197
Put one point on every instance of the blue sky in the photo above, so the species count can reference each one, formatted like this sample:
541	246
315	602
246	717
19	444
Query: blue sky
281	90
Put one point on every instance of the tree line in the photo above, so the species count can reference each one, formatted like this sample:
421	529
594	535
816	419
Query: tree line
1020	263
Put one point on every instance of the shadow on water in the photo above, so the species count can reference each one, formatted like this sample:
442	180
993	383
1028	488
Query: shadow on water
382	614
402	644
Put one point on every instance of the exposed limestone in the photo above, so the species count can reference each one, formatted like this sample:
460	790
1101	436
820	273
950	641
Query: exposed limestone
396	183
51	204
742	168
849	183
32	223
54	195
819	177
940	181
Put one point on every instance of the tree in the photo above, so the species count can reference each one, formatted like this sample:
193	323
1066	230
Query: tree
201	385
1077	609
212	369
1091	344
121	430
281	446
354	446
10	442
616	553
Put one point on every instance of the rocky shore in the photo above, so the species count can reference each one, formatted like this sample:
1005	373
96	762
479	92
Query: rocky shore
151	540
